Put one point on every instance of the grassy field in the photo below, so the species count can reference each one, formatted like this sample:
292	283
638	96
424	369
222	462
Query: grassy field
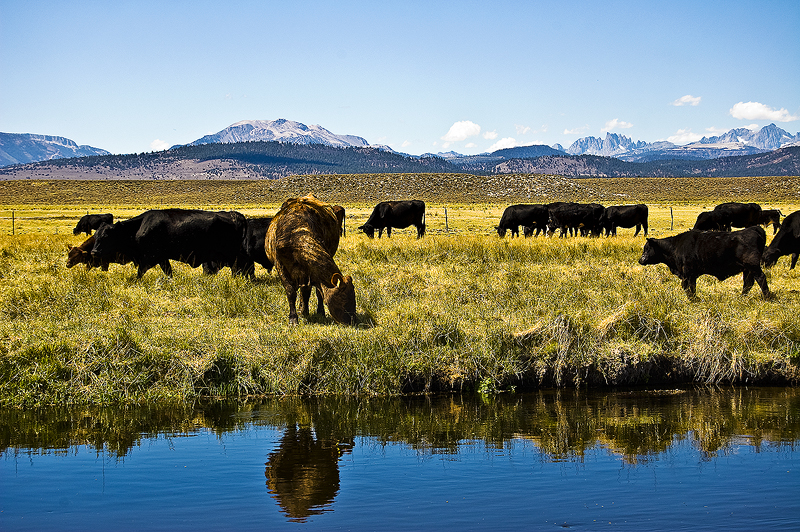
460	309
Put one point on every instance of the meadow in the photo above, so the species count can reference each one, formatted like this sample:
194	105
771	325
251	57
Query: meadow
459	310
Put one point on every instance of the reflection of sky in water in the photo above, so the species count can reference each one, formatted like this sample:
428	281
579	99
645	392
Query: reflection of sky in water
518	463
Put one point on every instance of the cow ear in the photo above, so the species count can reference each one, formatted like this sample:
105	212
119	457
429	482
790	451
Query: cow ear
336	279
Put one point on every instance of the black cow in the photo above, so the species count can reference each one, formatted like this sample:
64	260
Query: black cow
569	217
91	222
728	215
252	251
397	214
531	217
786	242
771	216
155	237
721	254
624	216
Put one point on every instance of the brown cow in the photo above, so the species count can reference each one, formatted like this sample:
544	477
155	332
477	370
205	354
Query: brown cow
301	242
82	254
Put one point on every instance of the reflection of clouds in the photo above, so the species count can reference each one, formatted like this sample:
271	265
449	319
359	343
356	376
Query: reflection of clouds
303	473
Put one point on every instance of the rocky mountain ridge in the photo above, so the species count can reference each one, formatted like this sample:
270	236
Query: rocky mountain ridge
21	148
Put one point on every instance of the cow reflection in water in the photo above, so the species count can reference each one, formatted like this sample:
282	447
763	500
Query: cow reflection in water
303	473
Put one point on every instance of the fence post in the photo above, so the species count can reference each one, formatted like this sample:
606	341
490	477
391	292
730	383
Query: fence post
446	226
671	219
13	230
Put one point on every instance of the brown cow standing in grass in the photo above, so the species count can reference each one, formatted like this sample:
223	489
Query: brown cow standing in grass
301	242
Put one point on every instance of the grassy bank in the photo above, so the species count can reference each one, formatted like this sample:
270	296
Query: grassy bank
447	312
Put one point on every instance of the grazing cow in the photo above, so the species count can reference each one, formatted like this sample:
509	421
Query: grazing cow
786	242
728	215
301	242
395	214
624	216
721	254
252	251
528	216
91	222
82	254
771	216
576	217
155	237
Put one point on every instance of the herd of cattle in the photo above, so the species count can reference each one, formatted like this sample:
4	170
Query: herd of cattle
301	240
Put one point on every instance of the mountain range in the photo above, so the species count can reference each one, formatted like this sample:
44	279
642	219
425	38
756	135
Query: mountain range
21	148
18	149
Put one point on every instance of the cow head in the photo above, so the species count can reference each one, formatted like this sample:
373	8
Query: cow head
76	255
651	254
341	299
368	230
105	241
501	231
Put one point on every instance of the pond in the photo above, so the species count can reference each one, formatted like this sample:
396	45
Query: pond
677	459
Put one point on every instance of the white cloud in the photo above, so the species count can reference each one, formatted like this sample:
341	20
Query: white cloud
405	144
490	135
577	130
687	100
759	111
521	130
471	145
616	124
716	130
462	131
159	145
684	136
507	142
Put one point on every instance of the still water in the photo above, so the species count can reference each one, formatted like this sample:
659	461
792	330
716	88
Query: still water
678	459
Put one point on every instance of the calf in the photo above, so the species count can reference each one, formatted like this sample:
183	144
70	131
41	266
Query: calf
786	242
397	214
91	222
624	216
531	217
721	254
82	254
301	241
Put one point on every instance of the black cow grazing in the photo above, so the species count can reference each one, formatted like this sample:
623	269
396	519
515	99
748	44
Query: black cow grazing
395	214
786	242
531	217
728	215
155	237
721	254
771	216
301	241
569	217
252	251
624	216
92	222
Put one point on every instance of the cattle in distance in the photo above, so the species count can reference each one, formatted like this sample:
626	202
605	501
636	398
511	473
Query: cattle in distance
718	253
301	241
92	222
626	216
725	216
786	242
395	214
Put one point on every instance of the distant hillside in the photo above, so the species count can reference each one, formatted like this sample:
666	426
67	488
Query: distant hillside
22	148
269	160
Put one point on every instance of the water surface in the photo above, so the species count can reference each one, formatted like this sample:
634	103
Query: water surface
683	459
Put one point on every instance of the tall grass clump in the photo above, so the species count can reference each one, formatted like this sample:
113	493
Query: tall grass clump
445	312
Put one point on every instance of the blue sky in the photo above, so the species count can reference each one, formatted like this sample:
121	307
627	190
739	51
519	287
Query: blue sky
418	76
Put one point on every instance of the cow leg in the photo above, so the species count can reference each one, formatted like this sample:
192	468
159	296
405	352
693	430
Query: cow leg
761	279
690	287
794	260
638	228
305	296
320	306
388	232
291	295
748	278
